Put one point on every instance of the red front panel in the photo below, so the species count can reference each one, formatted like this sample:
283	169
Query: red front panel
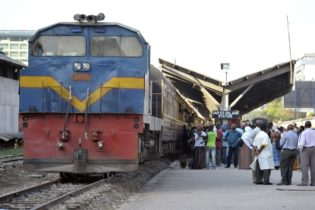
118	134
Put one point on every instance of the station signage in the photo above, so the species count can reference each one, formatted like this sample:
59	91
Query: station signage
226	114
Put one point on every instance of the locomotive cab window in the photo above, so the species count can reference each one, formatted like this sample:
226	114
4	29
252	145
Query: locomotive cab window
119	46
59	46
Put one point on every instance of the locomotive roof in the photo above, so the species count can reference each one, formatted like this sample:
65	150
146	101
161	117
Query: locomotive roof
88	24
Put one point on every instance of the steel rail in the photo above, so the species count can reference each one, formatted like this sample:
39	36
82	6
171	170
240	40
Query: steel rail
11	158
20	192
69	195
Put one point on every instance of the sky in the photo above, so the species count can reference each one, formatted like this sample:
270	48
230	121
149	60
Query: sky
251	35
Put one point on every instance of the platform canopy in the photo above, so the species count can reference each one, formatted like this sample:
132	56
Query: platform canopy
245	93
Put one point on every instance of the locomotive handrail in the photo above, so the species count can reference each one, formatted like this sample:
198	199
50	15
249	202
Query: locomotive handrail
86	114
67	112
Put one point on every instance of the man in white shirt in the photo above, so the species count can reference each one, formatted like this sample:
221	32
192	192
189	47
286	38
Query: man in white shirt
199	156
306	145
264	159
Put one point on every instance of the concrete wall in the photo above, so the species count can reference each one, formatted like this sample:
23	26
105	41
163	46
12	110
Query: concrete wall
9	105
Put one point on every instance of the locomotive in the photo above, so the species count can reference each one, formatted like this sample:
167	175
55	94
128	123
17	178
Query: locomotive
90	102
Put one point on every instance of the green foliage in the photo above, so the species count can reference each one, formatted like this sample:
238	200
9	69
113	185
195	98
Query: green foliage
310	114
4	152
273	111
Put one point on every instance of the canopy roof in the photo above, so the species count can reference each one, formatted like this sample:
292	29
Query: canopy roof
245	93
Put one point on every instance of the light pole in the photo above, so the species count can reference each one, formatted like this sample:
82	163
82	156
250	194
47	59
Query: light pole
225	98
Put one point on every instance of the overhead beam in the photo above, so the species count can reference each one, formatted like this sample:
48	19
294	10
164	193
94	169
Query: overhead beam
190	72
191	78
241	95
211	102
190	105
260	78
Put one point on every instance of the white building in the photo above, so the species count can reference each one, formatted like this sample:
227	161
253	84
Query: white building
302	97
305	68
15	44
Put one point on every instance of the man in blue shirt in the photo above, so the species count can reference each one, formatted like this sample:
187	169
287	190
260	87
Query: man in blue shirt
233	137
288	143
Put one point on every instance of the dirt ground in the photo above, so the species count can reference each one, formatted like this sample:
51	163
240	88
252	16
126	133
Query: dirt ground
117	190
13	177
108	196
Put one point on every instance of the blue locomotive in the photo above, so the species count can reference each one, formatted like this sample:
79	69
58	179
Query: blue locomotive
91	103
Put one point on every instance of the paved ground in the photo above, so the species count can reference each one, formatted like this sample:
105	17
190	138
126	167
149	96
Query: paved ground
180	189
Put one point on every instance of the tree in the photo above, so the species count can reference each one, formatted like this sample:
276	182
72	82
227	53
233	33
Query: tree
273	111
276	111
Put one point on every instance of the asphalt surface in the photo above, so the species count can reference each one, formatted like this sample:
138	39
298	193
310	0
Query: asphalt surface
222	188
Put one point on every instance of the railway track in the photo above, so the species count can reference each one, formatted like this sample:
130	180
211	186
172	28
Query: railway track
11	158
45	195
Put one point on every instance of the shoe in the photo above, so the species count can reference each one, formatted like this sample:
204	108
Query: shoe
301	185
288	183
258	182
267	183
235	166
227	167
282	183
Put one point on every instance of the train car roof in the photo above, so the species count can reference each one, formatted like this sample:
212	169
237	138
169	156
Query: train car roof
245	94
88	24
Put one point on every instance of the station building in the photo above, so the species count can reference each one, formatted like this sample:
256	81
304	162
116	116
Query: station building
9	97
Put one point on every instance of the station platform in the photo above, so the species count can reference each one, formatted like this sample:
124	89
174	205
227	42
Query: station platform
221	188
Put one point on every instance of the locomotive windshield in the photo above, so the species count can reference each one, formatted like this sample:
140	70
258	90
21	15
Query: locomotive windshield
59	46
120	46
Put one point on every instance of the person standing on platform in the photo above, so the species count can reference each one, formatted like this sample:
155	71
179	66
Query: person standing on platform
254	133
225	144
275	137
245	155
199	139
211	148
233	137
263	161
288	143
218	143
307	154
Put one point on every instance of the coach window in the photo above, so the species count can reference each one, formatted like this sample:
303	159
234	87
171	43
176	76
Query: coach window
59	46
119	46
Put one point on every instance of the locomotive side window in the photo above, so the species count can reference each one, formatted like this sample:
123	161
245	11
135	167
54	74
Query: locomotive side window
119	46
59	46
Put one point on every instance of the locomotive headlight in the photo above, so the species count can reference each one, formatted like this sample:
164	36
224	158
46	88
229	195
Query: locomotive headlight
77	66
86	66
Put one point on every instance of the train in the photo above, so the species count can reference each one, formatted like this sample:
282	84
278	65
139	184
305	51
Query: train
91	102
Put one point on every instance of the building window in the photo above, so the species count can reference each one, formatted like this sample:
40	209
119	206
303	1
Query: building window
14	46
14	54
23	54
3	46
23	46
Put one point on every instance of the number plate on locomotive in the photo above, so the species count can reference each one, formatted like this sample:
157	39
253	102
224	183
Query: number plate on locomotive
81	76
